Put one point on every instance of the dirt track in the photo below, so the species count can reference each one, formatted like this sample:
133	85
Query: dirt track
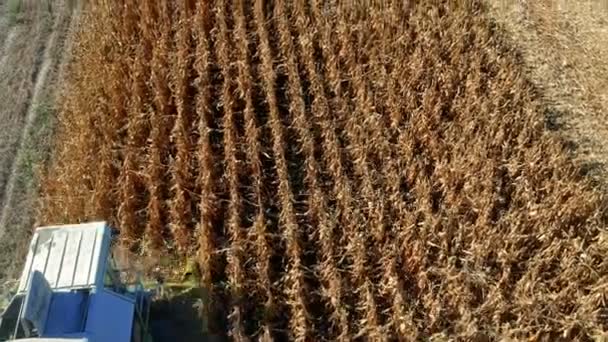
30	65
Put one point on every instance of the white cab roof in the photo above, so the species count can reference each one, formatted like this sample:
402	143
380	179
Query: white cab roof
69	256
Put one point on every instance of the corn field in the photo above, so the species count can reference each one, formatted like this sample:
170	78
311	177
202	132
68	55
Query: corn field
342	171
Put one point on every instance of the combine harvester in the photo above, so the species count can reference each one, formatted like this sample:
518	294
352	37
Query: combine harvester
71	290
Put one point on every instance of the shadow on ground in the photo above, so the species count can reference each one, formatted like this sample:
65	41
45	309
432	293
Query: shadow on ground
178	318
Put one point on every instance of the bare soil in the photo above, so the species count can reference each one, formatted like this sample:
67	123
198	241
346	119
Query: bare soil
33	42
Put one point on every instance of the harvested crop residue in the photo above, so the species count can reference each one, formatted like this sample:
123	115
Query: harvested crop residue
564	45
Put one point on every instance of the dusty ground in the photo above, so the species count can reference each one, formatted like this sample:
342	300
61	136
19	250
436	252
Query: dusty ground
32	44
564	45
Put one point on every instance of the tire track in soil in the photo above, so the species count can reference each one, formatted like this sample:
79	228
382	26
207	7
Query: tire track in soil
8	43
31	114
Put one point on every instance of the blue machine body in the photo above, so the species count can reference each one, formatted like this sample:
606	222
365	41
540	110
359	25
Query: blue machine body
70	291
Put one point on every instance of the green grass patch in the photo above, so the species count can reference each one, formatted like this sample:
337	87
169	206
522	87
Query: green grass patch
37	144
14	9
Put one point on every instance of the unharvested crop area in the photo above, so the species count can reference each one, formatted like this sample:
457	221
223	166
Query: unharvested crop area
372	171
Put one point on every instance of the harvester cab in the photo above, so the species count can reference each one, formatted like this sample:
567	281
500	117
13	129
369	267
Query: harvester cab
72	290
